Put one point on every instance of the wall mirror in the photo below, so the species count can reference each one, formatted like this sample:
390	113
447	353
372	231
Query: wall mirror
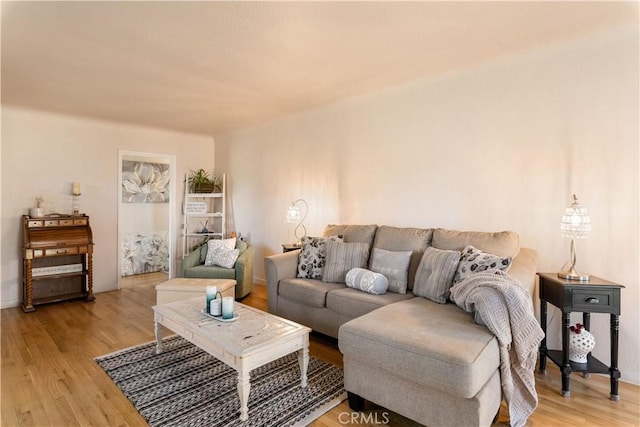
146	206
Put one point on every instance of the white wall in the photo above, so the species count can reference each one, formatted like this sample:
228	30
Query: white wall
500	146
43	153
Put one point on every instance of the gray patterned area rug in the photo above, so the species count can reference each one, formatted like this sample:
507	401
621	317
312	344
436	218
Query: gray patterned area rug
185	386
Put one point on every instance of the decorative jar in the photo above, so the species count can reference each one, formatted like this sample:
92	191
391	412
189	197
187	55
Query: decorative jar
581	342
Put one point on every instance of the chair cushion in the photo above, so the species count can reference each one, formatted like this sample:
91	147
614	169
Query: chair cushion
210	272
435	345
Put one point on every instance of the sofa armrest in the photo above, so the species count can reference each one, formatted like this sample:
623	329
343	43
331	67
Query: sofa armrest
244	272
278	267
524	268
190	260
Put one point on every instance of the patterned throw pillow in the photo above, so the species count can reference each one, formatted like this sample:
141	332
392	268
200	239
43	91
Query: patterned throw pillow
474	260
216	243
435	274
342	257
367	281
312	256
394	265
224	257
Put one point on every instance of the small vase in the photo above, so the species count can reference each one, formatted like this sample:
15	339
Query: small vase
36	212
580	345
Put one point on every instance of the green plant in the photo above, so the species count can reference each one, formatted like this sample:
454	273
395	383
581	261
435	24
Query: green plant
39	201
201	182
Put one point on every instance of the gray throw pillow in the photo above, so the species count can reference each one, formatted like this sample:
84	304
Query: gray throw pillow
394	265
367	281
223	256
473	260
312	257
435	274
342	257
214	244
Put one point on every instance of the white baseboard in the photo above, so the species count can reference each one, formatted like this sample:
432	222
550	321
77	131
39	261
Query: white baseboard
9	303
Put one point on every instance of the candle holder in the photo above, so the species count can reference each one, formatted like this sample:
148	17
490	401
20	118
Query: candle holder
75	204
75	198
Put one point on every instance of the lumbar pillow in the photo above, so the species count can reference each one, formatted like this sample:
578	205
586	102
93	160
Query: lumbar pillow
342	257
224	257
367	281
394	265
473	260
435	274
216	243
312	256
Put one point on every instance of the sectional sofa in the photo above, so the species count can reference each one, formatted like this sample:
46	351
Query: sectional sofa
431	362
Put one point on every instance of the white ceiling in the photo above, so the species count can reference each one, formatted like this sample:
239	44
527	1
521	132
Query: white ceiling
211	67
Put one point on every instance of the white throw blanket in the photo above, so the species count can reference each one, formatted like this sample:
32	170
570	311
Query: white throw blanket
506	309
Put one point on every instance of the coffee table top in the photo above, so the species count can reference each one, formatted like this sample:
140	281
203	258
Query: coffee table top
253	330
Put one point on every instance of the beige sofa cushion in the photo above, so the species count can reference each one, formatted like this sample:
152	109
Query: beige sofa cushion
352	233
352	302
405	239
502	243
435	274
342	257
435	345
309	292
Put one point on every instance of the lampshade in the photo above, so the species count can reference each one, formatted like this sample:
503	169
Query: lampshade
293	216
575	224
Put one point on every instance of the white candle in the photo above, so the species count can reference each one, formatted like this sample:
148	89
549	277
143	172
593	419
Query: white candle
211	295
227	308
216	309
76	189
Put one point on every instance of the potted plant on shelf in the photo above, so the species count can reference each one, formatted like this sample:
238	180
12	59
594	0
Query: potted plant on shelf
37	212
201	182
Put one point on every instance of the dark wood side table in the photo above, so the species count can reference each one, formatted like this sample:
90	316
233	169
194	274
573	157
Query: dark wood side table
595	296
288	247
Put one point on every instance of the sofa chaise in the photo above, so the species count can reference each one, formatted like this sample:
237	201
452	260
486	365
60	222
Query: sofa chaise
431	362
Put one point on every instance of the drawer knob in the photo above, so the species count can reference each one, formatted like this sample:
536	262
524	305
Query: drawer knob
592	300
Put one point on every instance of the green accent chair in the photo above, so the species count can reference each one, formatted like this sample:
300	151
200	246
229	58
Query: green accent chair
242	272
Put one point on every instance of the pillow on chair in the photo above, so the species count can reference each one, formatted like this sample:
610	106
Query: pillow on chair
223	256
216	243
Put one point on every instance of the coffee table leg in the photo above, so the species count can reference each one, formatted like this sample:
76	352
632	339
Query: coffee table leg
243	390
158	331
303	359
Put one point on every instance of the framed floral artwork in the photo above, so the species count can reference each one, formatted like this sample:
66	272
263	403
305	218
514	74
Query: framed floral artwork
144	182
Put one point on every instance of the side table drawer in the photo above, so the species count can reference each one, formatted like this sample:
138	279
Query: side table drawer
592	301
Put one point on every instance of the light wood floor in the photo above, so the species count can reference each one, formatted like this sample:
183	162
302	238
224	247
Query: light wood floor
49	378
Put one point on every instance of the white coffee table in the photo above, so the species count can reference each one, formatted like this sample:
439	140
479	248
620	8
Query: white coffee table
252	340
